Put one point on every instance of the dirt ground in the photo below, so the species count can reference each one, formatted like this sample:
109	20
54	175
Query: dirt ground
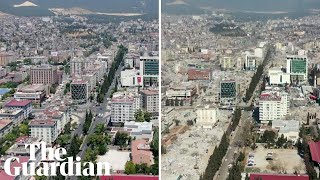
284	160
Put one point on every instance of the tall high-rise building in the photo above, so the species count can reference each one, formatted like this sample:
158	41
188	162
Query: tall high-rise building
273	105
228	92
79	90
43	74
297	66
149	71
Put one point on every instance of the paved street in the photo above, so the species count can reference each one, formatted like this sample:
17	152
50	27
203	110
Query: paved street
233	148
98	120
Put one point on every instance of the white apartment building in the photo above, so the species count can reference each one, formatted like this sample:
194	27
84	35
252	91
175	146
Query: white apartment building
76	66
278	77
124	106
150	100
273	105
44	129
129	78
207	116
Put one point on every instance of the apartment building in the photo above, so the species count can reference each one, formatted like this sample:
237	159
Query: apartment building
43	74
16	115
25	105
45	129
124	106
150	100
273	105
6	58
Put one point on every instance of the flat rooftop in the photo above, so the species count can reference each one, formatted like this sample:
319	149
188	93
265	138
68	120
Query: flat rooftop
117	159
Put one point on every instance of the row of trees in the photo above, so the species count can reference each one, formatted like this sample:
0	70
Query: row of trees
87	122
215	159
155	151
257	76
131	168
99	140
109	78
237	168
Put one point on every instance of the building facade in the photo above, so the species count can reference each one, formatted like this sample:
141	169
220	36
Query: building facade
79	91
273	106
297	67
150	100
44	74
44	129
149	71
228	92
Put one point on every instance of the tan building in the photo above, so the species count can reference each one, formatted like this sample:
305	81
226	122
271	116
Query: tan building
6	58
44	74
150	100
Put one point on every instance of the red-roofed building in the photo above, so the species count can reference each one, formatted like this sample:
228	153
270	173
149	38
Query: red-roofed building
141	153
199	74
258	176
129	177
315	151
26	105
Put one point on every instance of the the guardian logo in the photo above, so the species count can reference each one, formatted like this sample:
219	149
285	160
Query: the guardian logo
51	160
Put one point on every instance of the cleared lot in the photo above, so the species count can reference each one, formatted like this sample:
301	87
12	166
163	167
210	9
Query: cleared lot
284	160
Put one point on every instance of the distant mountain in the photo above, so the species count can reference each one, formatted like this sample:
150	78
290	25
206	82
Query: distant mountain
103	6
195	6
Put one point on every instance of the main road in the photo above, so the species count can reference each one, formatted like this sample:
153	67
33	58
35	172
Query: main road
101	109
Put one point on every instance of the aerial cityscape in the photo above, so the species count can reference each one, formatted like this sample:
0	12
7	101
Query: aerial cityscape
83	81
159	89
240	90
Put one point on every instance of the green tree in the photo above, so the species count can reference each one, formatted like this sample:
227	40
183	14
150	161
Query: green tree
100	128
268	137
63	139
139	116
142	168
24	129
27	61
121	139
130	168
147	116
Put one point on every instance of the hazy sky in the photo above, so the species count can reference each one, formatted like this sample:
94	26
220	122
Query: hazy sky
259	5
